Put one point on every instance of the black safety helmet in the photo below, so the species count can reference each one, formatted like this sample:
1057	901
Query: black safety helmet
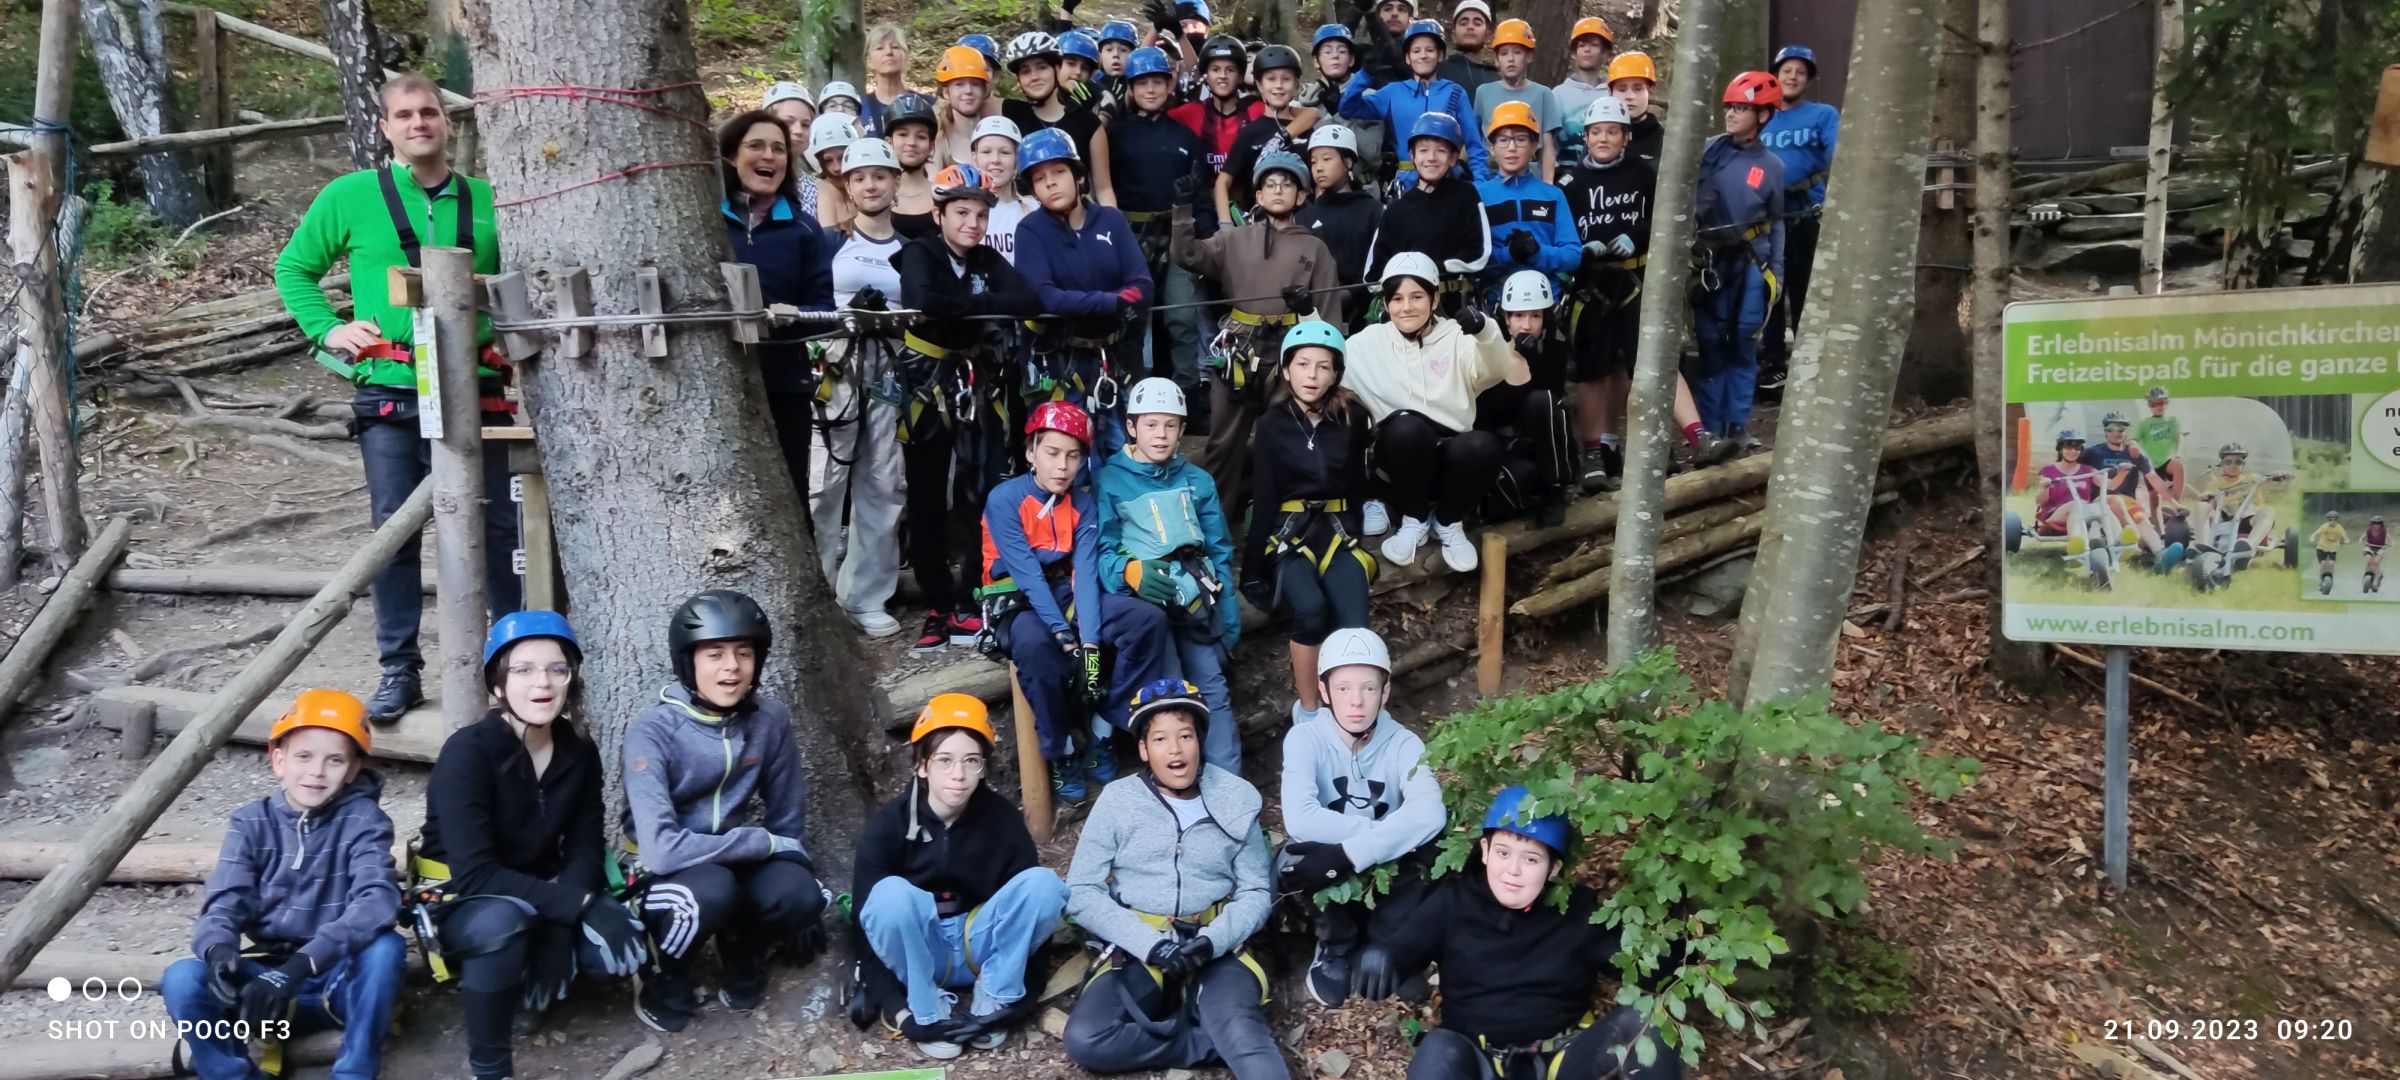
716	615
1275	58
1224	47
911	106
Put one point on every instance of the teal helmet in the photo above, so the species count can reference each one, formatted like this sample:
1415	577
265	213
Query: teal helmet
1315	332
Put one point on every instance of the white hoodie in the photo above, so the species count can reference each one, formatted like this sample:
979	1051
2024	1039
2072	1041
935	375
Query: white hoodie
1379	803
1438	375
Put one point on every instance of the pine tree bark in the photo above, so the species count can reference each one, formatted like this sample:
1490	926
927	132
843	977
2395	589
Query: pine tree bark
2362	243
665	475
1829	445
132	59
1553	23
358	65
1649	416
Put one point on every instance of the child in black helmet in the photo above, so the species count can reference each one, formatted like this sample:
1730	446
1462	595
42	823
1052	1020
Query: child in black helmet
705	868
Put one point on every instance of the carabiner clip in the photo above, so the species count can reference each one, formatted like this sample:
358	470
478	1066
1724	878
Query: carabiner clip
1104	393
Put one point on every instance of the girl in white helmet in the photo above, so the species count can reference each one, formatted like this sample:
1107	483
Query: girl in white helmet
995	146
1033	57
858	510
1532	416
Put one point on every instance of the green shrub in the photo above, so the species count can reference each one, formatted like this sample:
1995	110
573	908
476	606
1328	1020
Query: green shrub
1858	974
1718	822
117	234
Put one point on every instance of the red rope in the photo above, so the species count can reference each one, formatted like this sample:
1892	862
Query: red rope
606	95
617	175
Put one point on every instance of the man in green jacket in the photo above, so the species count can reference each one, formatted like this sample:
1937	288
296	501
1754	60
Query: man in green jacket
377	219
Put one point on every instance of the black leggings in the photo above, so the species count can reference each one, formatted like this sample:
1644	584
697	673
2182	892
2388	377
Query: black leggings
1540	446
794	415
1317	603
1590	1055
747	906
1431	472
491	940
927	462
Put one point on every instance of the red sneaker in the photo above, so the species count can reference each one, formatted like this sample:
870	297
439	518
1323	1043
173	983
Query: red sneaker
965	627
935	634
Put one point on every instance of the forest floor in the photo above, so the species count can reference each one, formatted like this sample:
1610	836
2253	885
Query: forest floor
2265	844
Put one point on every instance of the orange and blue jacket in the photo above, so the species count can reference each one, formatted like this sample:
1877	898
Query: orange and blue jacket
1033	538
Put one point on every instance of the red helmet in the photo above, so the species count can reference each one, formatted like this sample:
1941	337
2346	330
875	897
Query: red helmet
1064	417
1754	88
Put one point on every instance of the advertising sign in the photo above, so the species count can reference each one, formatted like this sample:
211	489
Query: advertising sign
2213	470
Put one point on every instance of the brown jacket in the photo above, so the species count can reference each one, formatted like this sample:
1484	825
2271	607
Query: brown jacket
1260	260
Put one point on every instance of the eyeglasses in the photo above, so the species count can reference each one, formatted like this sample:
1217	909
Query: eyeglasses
1279	180
969	765
1515	140
557	672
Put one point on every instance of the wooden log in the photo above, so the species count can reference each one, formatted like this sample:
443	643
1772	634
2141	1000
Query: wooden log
1491	614
59	612
1033	770
229	581
2075	182
1593	586
136	1059
538	542
2144	681
216	100
417	737
33	199
162	863
459	506
39	914
216	310
1710	516
213	137
141	727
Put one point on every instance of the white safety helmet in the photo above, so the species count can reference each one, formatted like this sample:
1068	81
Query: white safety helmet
870	153
1155	395
1606	109
787	91
1526	290
839	89
1352	645
827	133
1410	264
1029	45
1337	136
996	125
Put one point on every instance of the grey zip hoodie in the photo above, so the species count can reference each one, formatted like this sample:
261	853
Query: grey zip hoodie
1379	803
1132	857
318	884
690	775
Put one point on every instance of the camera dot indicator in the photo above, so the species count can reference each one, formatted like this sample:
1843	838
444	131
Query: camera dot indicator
61	989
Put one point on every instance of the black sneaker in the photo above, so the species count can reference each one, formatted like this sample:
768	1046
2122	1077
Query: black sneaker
1739	435
743	983
1603	468
934	635
664	1001
1772	374
1329	976
1551	511
1713	450
400	690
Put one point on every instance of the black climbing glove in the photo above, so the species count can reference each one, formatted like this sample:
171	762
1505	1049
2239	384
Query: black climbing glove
1162	957
617	932
549	970
1194	954
872	299
1300	299
1372	977
809	943
1093	691
1470	321
1521	246
1066	640
1260	592
1319	865
1161	14
224	962
1527	345
1187	187
1069	6
269	997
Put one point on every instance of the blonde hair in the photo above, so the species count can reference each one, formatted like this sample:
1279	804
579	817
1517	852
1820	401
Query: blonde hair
887	31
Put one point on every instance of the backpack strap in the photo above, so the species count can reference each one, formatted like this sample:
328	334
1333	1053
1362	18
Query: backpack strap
410	247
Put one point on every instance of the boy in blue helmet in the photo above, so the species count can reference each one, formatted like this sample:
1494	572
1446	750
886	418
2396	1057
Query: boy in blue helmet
1086	263
1152	158
1518	974
1336	55
1437	214
1399	104
1803	134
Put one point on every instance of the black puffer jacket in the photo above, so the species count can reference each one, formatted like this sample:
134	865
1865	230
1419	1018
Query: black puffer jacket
504	832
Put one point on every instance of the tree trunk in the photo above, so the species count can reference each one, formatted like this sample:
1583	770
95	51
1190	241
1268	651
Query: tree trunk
1649	416
133	67
2253	247
1937	365
446	45
1655	15
1553	23
839	51
1830	445
2162	148
665	475
2017	663
358	64
2362	242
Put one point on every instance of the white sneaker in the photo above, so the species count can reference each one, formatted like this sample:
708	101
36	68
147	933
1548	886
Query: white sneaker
1374	520
1457	550
876	623
1400	548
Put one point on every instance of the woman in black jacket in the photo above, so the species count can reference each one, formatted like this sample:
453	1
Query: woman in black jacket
951	892
794	257
512	856
1301	557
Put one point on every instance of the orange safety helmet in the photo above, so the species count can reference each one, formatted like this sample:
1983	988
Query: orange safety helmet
333	710
1632	65
1513	32
962	62
1592	26
1512	114
1754	88
948	711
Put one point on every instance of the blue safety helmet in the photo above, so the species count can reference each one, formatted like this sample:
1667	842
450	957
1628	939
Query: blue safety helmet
1079	43
1041	148
1120	30
1161	695
516	626
1437	125
1331	32
1199	9
1802	53
1424	28
1147	60
984	44
1508	814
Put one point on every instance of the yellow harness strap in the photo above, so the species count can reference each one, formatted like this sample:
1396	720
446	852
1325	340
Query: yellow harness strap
1249	319
918	344
1552	1049
428	879
1108	961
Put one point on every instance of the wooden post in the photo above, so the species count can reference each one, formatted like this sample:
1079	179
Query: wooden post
41	913
33	206
216	101
533	527
141	726
58	615
1492	614
2162	149
1033	770
458	495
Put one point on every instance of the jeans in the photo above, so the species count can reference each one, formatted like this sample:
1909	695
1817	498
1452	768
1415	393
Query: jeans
1202	653
1726	323
987	948
355	996
1218	1017
396	460
1451	1055
1134	630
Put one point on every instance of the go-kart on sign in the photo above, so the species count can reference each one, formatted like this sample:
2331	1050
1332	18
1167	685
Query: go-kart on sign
2214	470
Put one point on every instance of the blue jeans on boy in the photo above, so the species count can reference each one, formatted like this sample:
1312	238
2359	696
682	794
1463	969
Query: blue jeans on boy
355	996
986	948
1135	632
1726	323
1203	654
